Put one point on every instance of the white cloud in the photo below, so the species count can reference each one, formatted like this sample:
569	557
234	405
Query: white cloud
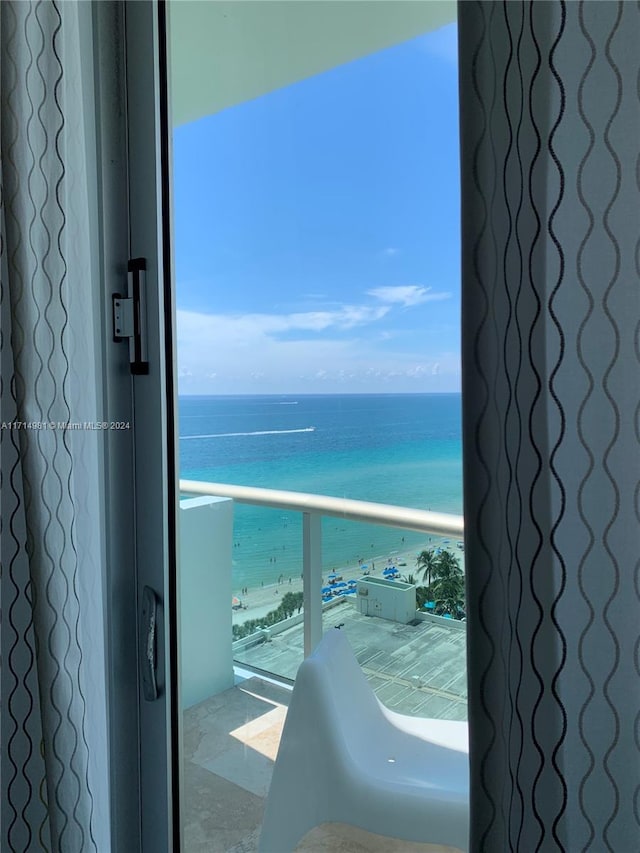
248	326
407	295
338	348
228	355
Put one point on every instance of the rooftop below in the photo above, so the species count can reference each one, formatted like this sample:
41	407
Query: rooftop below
387	583
417	669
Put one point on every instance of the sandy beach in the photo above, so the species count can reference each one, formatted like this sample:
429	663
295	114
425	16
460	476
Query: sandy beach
261	600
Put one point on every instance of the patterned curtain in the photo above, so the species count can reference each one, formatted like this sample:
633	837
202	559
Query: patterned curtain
550	108
54	761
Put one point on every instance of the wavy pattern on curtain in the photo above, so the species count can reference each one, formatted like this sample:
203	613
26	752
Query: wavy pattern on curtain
550	96
54	758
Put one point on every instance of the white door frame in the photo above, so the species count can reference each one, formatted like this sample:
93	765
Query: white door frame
141	487
154	406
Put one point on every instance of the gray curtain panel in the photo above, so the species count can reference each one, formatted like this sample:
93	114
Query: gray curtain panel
54	760
550	110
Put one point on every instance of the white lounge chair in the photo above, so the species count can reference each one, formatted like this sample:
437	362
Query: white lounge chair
345	758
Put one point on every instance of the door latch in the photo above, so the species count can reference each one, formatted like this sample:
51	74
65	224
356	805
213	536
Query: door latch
130	316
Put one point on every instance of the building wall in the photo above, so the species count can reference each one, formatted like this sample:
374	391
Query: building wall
390	600
206	531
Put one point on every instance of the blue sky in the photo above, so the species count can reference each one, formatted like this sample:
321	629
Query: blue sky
317	232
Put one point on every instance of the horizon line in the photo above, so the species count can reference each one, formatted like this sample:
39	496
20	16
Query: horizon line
329	394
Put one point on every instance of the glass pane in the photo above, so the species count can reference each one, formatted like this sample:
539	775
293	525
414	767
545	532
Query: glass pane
316	215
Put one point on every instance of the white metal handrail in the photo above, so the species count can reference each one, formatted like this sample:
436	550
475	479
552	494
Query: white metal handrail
405	518
313	507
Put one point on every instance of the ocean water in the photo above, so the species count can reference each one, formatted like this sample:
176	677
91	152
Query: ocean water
403	449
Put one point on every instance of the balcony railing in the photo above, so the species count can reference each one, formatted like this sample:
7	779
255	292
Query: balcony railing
313	507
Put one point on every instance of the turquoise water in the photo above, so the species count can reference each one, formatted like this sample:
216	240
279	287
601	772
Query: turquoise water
400	449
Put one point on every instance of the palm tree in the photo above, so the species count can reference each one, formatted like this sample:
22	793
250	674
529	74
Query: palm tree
447	587
444	579
427	562
288	604
422	596
448	594
448	565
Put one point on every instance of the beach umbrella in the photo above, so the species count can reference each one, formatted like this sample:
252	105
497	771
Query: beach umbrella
326	589
341	583
333	575
353	582
235	602
351	591
364	566
388	571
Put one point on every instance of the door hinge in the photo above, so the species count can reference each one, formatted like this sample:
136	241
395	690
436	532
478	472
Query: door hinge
130	316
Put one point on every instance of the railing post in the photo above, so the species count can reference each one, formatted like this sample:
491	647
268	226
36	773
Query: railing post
312	579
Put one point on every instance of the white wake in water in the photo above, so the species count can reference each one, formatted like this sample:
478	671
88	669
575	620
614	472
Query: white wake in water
257	432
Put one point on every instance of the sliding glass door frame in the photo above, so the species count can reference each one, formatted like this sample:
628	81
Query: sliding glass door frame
153	414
